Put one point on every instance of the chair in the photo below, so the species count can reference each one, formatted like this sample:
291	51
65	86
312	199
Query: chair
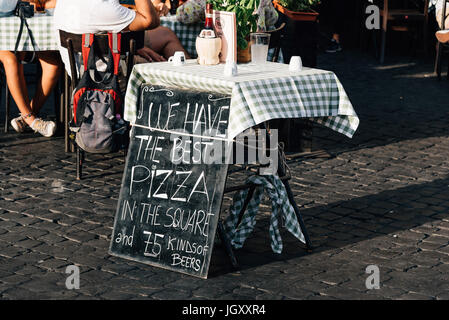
3	83
406	16
441	47
130	42
284	175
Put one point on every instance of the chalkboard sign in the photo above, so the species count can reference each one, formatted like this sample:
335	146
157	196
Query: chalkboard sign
171	193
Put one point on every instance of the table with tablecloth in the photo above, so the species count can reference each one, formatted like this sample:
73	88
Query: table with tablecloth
42	29
260	92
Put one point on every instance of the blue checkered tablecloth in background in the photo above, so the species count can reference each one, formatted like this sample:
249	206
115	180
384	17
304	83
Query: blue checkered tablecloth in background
186	33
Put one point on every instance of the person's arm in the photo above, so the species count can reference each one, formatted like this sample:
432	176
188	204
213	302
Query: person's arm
49	4
146	16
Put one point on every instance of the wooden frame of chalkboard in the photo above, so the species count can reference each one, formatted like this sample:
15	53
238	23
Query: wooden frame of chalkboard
173	184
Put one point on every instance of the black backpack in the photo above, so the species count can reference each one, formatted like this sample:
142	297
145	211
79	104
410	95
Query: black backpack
97	101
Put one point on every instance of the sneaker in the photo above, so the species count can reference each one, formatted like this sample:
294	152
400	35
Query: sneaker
442	36
19	124
334	47
45	128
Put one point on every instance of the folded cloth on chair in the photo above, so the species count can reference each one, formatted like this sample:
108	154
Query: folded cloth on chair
282	211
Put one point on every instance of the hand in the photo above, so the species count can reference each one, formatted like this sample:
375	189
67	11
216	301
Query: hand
162	9
150	55
49	4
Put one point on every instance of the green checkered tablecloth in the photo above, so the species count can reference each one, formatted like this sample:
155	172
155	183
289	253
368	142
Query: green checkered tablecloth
186	33
41	26
282	213
258	93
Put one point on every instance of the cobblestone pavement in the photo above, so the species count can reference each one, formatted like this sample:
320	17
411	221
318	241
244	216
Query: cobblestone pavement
382	199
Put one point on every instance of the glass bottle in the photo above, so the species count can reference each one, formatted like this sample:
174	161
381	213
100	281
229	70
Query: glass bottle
208	25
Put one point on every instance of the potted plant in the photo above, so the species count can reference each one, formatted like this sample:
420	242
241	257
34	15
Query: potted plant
299	10
301	30
246	22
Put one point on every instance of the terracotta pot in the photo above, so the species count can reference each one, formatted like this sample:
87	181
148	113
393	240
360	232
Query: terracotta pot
298	16
244	55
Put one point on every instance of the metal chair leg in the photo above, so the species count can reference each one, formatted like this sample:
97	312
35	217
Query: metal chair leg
249	196
222	234
57	105
61	95
447	75
79	162
438	60
227	245
382	46
384	31
7	107
66	112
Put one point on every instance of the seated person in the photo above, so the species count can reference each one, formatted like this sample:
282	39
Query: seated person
94	16
439	14
29	110
161	42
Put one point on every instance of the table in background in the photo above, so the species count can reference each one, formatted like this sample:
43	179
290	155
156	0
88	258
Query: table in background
42	27
186	33
43	31
259	93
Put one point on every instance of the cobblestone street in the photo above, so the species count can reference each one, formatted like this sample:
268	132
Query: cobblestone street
381	199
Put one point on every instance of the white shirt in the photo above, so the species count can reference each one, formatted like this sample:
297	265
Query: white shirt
92	16
439	5
89	16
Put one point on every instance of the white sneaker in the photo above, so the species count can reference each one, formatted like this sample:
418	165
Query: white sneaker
45	128
19	124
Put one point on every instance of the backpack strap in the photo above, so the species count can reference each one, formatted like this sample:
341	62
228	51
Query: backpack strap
115	44
87	40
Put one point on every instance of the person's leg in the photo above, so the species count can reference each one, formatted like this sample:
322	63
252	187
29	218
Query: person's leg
164	41
16	82
15	79
337	19
51	70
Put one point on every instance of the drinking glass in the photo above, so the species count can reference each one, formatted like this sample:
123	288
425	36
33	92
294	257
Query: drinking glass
259	47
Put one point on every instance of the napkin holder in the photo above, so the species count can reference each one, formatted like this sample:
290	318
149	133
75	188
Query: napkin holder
208	50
